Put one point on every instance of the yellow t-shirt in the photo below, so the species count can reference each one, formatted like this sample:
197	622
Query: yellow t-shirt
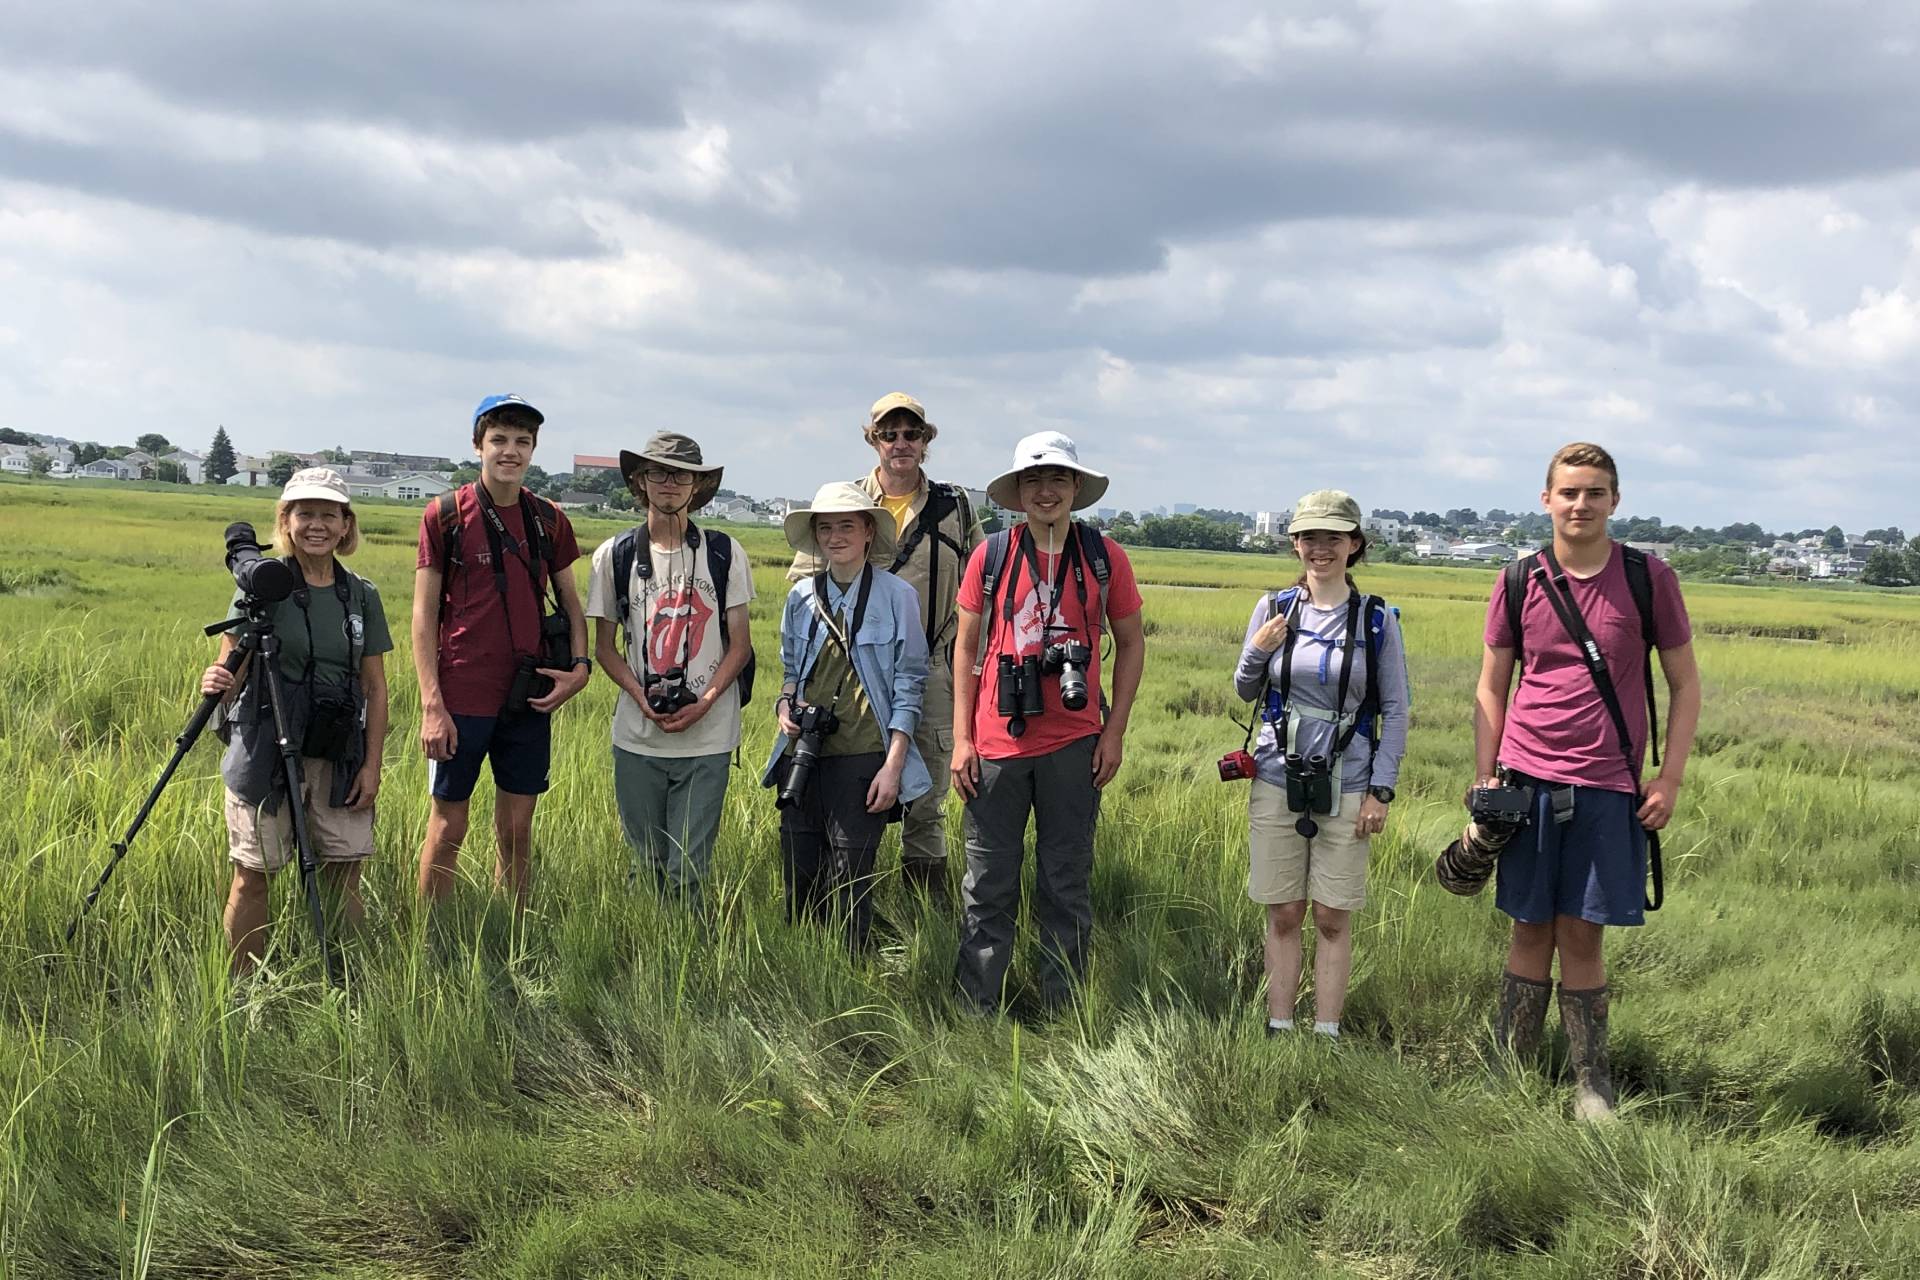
902	509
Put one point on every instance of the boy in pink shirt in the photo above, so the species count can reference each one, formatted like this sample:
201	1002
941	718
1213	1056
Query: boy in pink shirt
1581	863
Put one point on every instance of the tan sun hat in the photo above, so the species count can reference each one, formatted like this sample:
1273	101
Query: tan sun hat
886	404
676	452
1331	509
840	498
1046	449
317	484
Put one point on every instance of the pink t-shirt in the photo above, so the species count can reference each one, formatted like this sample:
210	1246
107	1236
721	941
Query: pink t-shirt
1056	726
1558	728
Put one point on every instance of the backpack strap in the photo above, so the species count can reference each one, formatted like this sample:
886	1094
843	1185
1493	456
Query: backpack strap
1093	549
444	511
1514	580
992	564
1640	584
940	503
720	569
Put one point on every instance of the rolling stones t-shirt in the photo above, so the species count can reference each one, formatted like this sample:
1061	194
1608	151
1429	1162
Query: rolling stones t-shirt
673	620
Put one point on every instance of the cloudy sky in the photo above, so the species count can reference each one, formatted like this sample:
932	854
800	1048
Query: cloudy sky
1238	251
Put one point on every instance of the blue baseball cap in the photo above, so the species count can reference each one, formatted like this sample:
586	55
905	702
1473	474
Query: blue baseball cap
495	402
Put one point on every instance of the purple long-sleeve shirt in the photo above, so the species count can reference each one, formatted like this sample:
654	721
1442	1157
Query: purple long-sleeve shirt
1316	685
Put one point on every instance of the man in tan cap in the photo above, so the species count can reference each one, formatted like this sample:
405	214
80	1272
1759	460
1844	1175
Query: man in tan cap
936	531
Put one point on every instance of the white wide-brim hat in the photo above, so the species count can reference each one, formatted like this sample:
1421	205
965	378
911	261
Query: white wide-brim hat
1046	449
841	498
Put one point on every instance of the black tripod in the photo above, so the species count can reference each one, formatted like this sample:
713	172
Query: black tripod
254	636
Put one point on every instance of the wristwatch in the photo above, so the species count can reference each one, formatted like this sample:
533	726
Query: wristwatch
1383	794
584	661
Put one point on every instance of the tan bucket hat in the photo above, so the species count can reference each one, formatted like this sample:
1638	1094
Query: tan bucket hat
837	499
886	404
1046	449
1331	509
680	453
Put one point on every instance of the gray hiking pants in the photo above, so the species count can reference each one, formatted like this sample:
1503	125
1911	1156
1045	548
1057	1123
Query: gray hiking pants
1058	790
670	810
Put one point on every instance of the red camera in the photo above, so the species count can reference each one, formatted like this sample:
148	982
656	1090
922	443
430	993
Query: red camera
1236	766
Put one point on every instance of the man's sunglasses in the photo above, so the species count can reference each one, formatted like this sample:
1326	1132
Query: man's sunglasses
889	434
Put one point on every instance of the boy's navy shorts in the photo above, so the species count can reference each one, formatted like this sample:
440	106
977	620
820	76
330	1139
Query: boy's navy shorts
519	746
1593	866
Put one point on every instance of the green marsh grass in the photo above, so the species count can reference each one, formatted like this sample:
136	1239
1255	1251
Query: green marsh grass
609	1089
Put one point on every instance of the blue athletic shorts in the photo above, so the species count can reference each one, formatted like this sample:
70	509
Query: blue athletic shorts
1593	866
520	748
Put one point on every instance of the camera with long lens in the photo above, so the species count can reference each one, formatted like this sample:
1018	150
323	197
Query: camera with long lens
1019	685
263	578
817	724
667	691
1497	815
1069	659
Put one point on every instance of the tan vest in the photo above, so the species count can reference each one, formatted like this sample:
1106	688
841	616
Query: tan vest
931	555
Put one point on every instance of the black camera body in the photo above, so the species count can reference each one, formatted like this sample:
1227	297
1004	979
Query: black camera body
1069	659
1309	784
1506	807
667	691
817	724
263	578
556	652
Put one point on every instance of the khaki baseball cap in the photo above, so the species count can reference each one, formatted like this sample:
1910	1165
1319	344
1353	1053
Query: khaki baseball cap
1331	509
886	404
317	483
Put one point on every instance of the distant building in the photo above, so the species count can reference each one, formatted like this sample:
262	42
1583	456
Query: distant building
1271	524
381	463
1381	527
1485	551
1185	508
191	464
588	463
1658	550
1107	513
416	487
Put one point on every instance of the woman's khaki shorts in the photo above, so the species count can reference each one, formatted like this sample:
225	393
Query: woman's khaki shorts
1284	866
264	841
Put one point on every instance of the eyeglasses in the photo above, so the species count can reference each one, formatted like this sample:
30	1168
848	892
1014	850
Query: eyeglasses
660	475
913	435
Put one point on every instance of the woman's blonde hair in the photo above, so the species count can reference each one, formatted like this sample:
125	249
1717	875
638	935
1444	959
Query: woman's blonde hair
283	527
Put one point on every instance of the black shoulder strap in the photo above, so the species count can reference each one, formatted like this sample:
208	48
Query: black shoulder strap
626	546
720	569
1640	584
992	564
1292	610
939	505
1093	549
1515	577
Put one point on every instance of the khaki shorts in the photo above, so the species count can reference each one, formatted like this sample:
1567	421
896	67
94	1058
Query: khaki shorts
1284	866
264	841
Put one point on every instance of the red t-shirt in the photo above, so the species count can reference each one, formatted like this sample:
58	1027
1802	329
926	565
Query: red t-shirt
1056	726
1558	728
479	642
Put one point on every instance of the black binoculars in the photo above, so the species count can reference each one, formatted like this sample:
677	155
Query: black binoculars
667	691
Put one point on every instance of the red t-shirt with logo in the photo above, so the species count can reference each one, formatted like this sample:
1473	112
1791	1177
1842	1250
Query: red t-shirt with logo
1056	726
1558	728
479	639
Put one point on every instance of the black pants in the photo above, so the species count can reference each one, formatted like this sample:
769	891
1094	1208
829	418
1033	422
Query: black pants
1057	789
827	846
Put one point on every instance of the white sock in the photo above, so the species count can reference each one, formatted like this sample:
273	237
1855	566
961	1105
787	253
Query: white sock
1327	1029
1280	1024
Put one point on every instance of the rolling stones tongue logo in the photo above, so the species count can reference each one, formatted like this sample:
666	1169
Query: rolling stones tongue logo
680	613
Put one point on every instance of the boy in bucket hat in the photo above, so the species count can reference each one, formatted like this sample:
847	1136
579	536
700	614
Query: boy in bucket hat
677	596
492	660
1032	732
936	531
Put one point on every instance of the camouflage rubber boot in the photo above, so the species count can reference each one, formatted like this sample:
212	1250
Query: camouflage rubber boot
1583	1016
1523	1015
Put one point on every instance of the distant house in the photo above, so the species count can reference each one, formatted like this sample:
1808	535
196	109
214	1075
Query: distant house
191	464
580	498
1658	550
102	469
1383	528
729	509
587	463
1271	524
16	464
416	487
251	472
1483	551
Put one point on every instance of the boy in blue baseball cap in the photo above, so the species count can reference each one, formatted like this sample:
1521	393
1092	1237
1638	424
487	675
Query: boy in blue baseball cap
493	659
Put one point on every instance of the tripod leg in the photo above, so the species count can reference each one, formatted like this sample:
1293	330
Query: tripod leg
196	724
296	799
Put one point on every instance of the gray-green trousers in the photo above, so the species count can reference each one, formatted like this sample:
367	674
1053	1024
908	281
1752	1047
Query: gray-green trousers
923	834
670	809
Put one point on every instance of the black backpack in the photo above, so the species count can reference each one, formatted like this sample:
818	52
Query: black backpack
626	553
